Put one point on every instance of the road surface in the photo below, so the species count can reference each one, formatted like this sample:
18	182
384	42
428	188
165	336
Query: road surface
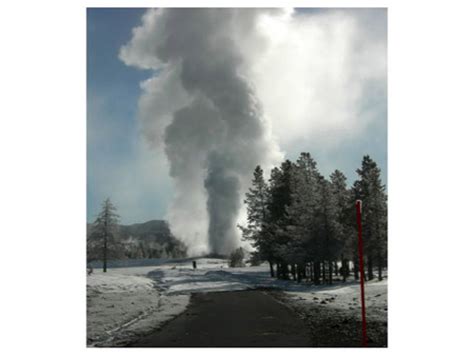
224	319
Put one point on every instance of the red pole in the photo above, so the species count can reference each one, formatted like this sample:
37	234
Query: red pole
361	269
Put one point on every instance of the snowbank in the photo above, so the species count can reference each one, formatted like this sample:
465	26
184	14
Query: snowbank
124	303
345	297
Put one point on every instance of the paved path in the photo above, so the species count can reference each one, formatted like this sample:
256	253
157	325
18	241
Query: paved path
244	318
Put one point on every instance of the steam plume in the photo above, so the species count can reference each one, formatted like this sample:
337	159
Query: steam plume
216	135
319	76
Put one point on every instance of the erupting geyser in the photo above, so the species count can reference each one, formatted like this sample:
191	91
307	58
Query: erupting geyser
318	75
211	126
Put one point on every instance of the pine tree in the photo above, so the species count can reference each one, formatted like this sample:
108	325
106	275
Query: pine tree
350	230
104	228
303	243
371	191
329	228
341	201
279	200
301	219
257	218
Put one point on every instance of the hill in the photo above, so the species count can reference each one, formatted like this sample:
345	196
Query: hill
151	239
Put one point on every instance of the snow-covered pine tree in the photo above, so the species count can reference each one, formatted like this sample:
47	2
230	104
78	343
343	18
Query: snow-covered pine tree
329	229
303	243
279	199
371	191
104	229
300	219
256	230
341	201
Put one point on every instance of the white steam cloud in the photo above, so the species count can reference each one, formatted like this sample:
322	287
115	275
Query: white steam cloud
229	84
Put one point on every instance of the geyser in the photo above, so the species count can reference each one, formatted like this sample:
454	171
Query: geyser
213	130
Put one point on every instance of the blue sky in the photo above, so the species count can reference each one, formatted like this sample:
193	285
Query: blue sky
112	94
114	166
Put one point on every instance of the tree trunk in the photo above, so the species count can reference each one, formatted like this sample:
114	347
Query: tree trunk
336	272
379	265
293	271
284	271
311	271
272	272
105	255
317	272
330	272
370	267
345	269
300	272
356	269
324	272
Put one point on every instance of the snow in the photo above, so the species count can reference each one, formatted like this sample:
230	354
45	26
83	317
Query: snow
345	297
211	275
125	303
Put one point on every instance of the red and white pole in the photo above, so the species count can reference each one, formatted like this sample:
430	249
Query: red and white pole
361	270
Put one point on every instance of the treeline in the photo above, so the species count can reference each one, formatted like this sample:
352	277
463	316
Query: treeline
305	225
134	248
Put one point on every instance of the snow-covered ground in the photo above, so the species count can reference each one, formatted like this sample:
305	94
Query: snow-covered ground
126	302
345	297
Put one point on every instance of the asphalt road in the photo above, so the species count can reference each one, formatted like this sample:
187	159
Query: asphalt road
225	319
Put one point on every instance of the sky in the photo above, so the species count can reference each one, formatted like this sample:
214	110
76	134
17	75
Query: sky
115	162
318	81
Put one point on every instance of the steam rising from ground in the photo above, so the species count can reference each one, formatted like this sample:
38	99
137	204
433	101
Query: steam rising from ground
228	84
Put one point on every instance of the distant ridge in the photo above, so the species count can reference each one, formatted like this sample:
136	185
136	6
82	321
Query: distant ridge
151	239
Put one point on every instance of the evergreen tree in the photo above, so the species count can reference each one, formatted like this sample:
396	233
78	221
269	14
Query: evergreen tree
303	244
341	201
329	229
301	219
102	238
258	217
279	200
371	191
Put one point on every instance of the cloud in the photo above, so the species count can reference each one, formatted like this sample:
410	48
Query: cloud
319	71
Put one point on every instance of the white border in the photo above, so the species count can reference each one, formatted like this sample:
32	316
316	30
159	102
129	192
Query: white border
43	175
